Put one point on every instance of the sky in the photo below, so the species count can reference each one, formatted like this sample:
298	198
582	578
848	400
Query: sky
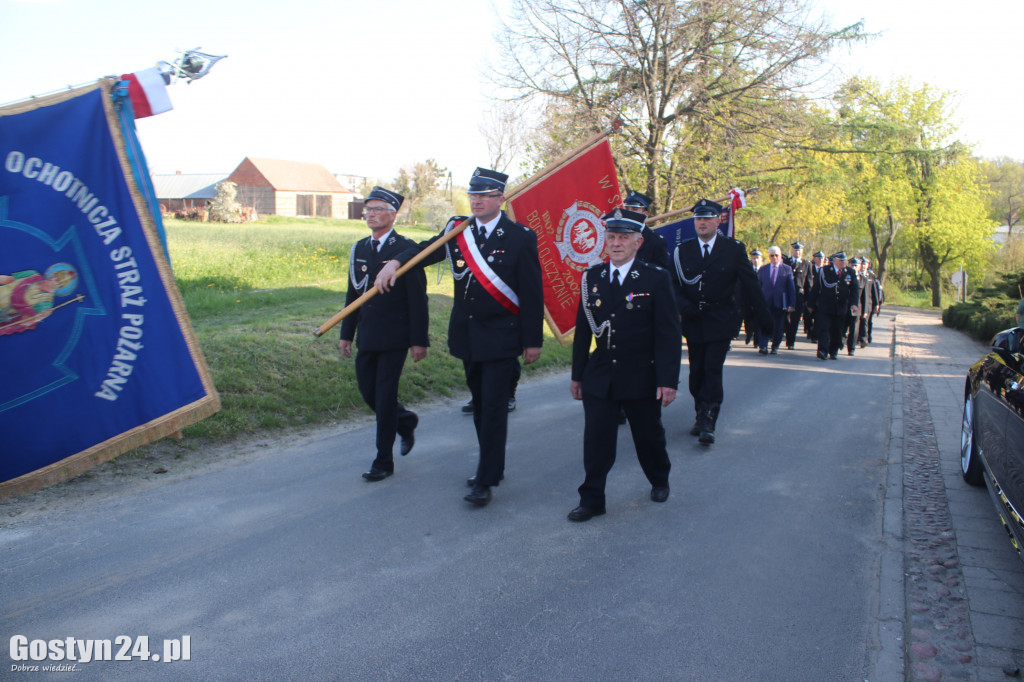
366	88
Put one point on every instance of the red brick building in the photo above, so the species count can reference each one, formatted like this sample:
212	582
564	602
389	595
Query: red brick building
290	188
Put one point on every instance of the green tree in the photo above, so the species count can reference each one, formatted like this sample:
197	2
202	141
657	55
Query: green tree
417	183
694	82
908	177
1006	181
956	230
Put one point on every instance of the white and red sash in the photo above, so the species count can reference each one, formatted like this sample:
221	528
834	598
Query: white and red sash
494	285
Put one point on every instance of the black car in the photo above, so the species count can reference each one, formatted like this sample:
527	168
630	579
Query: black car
992	431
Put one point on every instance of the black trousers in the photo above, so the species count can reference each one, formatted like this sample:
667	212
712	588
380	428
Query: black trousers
830	331
793	321
490	384
706	362
865	328
778	326
600	434
378	374
852	331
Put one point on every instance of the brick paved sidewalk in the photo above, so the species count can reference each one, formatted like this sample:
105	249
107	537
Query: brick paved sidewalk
947	553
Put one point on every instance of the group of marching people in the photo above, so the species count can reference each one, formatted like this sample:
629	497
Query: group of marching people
634	310
837	301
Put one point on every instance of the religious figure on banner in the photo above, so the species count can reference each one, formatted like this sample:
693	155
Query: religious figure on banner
26	297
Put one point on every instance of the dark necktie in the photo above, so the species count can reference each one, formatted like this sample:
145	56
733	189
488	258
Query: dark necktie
615	284
375	245
481	236
706	251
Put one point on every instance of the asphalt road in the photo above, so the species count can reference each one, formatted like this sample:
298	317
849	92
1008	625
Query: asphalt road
762	565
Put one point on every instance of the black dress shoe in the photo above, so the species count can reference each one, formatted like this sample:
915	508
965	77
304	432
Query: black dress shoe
468	407
375	474
775	351
833	356
511	403
409	439
707	437
582	513
762	351
789	346
480	495
822	356
659	493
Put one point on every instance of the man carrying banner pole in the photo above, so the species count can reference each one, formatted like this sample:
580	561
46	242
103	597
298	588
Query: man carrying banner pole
497	315
708	271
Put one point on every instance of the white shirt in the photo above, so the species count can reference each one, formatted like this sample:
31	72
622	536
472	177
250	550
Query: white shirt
623	270
488	227
382	239
711	244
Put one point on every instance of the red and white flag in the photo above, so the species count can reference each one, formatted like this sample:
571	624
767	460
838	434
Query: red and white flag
565	209
148	92
737	200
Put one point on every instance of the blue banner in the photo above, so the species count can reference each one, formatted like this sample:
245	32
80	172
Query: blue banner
677	232
98	354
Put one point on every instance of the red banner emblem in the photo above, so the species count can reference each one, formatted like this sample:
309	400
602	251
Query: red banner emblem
565	209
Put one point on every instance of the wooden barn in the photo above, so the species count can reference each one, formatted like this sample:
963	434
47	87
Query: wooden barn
182	193
290	188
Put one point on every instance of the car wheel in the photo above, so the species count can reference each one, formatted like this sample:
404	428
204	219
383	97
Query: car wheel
970	462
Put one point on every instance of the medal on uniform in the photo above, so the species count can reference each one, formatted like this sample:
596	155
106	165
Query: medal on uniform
490	259
597	303
363	268
460	263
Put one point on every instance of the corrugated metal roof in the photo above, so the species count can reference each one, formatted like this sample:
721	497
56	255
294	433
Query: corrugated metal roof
297	176
187	186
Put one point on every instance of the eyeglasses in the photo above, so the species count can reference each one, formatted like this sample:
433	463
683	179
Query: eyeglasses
374	210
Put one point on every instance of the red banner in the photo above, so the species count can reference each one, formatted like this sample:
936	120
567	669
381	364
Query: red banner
565	209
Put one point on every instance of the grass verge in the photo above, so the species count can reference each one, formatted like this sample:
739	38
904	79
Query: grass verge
256	292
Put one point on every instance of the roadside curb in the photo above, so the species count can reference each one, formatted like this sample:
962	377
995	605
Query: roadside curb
890	663
963	587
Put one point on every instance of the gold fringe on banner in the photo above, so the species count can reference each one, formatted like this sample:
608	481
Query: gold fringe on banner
167	424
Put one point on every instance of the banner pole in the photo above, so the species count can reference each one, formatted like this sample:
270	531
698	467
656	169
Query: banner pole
679	211
519	189
372	290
